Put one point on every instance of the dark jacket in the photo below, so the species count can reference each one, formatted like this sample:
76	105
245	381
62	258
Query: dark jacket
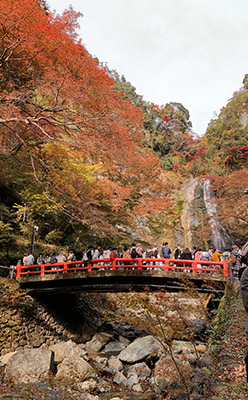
177	253
244	289
166	252
186	255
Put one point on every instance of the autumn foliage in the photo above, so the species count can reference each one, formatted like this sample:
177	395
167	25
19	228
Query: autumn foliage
63	125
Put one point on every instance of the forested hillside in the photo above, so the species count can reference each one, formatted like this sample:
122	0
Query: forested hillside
85	158
227	159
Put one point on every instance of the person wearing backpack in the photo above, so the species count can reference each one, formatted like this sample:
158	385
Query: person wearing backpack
126	254
87	257
71	256
235	260
139	251
177	252
166	251
204	257
133	251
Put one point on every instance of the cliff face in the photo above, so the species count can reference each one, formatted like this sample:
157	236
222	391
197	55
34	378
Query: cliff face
198	224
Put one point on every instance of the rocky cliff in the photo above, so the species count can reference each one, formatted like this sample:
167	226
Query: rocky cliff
198	224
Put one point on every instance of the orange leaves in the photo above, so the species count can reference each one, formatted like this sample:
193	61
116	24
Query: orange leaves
61	116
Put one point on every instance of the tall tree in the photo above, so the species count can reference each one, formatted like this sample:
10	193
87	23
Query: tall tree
65	125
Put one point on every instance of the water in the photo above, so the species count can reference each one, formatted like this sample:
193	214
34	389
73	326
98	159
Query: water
219	236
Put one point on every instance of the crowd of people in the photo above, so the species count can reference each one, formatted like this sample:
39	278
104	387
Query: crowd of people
234	255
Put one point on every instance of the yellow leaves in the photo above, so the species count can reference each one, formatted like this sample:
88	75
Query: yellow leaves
67	162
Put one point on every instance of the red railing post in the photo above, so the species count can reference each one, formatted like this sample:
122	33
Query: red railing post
65	267
225	267
166	264
42	269
114	264
18	270
139	263
194	267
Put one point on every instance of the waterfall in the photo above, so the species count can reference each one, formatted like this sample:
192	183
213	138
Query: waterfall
220	237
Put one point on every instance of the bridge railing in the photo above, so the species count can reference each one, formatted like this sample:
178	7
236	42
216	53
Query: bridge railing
164	264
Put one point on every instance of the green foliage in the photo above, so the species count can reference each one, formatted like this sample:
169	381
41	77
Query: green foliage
218	327
227	135
5	230
53	237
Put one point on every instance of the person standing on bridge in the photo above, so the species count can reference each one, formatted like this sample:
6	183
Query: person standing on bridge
186	255
210	253
216	256
166	251
40	260
71	256
89	255
95	255
53	259
235	259
29	259
139	251
177	252
61	257
47	259
24	259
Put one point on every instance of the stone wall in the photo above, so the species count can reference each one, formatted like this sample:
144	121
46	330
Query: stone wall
27	322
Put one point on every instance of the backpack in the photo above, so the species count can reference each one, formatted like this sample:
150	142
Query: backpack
53	260
155	253
112	256
89	254
204	256
232	258
133	253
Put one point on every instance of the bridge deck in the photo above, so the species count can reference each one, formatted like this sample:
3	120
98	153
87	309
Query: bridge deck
122	275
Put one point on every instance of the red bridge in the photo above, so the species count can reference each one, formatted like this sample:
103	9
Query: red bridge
123	274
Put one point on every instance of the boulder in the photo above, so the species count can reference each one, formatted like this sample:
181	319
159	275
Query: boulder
103	361
104	386
124	340
166	376
132	380
65	349
87	396
201	348
29	365
74	367
113	347
4	359
87	386
87	333
141	369
98	341
115	398
120	379
187	350
139	349
198	326
115	364
137	388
